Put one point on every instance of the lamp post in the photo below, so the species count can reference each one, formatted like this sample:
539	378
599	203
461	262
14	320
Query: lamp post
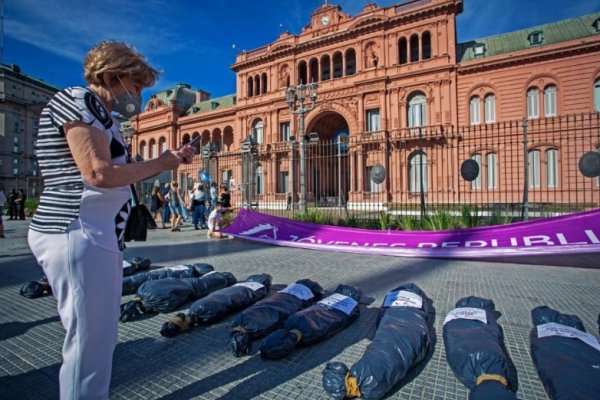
298	95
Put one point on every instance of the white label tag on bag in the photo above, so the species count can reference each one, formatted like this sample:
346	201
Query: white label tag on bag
251	285
554	329
403	298
298	290
126	264
472	313
340	302
179	268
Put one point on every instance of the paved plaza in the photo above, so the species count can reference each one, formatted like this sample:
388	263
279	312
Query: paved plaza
199	365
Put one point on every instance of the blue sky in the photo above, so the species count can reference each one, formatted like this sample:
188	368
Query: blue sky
192	41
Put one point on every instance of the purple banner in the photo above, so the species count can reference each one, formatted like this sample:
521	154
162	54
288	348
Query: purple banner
570	234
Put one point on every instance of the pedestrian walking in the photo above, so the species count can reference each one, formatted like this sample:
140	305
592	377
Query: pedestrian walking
198	205
175	203
166	216
78	229
289	202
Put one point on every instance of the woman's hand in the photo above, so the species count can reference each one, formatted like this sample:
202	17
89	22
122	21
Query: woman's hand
172	158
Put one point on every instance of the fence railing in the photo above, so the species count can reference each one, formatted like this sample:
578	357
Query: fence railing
529	166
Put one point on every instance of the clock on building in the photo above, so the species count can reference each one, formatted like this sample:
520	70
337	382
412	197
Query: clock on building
325	20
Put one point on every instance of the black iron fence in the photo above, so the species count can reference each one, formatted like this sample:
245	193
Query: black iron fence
526	168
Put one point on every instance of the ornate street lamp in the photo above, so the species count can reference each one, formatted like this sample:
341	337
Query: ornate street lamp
295	97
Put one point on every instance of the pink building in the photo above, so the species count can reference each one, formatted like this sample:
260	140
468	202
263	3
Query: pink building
410	99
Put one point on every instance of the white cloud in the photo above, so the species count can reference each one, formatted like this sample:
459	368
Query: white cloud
70	27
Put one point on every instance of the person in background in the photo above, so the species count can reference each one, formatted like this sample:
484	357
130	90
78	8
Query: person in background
77	232
213	196
156	203
214	222
20	204
2	204
225	198
289	202
175	203
166	216
12	205
198	205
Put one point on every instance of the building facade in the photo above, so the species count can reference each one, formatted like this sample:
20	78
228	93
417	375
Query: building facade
22	98
398	97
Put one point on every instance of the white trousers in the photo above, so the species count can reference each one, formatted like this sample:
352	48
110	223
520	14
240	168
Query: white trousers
86	281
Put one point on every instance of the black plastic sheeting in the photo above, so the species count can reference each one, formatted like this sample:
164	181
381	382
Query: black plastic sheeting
271	313
136	264
219	304
475	349
402	339
132	283
166	295
35	289
311	325
568	367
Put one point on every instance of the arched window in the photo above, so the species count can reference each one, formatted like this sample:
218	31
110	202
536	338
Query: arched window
417	172
417	110
260	180
533	102
263	81
143	149
338	65
402	51
256	85
534	168
550	101
474	110
325	68
350	62
490	109
426	45
152	149
302	72
552	168
162	145
476	183
414	48
314	70
250	86
257	131
491	165
196	145
597	95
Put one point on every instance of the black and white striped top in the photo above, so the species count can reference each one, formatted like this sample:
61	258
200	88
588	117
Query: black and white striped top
66	196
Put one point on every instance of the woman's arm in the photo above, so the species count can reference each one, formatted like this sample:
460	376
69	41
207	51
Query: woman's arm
90	149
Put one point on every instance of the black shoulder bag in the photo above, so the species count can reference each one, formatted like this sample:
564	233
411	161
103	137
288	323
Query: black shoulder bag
140	220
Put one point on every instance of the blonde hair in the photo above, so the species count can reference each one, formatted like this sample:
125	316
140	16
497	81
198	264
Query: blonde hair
114	59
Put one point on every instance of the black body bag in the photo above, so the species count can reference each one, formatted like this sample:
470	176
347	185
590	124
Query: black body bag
139	221
567	358
132	283
475	349
219	304
35	289
271	313
166	295
402	340
314	324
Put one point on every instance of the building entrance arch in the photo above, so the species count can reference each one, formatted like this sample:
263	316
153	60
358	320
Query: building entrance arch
328	172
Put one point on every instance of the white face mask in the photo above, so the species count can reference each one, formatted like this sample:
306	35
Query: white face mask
127	104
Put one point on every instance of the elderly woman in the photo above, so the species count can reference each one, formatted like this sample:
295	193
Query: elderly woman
77	231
